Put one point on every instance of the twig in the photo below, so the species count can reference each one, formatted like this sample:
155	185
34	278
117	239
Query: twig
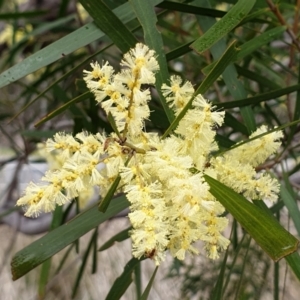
290	105
275	10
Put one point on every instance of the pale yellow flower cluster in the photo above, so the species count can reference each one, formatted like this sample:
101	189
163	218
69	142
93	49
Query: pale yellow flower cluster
236	168
55	161
121	94
171	207
79	158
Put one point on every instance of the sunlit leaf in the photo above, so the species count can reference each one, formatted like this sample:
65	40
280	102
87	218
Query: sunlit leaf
264	229
225	25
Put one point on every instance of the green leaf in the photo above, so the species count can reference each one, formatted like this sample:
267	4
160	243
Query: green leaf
263	134
262	80
24	14
260	98
220	66
293	259
237	246
149	285
63	108
181	50
113	124
233	17
46	266
119	237
44	277
36	253
224	142
294	262
146	15
64	259
138	280
84	261
265	14
191	9
218	288
222	63
263	228
66	75
41	29
158	117
291	205
259	41
122	283
254	44
230	76
64	46
104	203
107	21
231	121
38	134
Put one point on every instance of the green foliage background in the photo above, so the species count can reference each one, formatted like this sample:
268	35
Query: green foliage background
242	55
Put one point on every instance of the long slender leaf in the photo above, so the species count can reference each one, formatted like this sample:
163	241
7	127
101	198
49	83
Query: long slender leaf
192	9
119	237
23	14
183	49
292	207
230	76
224	26
145	13
224	61
240	280
220	66
107	21
261	135
63	108
138	280
83	263
294	262
254	44
122	283
218	288
48	245
68	44
149	285
231	121
264	229
67	74
293	259
46	266
104	203
262	80
259	98
237	252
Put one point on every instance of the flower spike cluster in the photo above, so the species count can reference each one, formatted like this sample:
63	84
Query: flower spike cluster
121	94
171	207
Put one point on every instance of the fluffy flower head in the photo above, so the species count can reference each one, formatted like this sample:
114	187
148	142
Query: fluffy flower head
171	207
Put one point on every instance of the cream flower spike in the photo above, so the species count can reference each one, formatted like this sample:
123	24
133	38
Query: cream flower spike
171	207
178	94
121	94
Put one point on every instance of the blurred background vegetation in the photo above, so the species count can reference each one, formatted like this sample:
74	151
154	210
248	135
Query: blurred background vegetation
45	46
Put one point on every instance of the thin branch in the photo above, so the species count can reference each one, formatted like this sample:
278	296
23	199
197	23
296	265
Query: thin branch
290	103
277	13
